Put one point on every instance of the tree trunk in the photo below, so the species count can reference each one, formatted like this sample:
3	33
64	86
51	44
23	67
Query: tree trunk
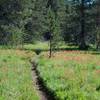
82	34
98	25
97	39
50	51
97	46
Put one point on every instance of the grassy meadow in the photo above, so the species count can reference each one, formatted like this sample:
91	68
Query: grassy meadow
15	75
69	74
72	75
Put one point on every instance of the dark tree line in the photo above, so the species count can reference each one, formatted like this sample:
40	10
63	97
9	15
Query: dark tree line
75	22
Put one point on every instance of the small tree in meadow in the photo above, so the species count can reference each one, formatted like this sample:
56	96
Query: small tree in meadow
54	31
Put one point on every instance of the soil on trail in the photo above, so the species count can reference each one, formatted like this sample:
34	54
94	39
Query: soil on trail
40	87
35	79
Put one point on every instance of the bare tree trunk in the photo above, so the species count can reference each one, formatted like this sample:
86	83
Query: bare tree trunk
50	51
97	40
97	46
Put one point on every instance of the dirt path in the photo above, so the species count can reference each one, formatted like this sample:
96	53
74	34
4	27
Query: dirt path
41	93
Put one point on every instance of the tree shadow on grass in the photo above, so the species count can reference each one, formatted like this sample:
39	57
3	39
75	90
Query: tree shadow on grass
38	51
95	53
90	51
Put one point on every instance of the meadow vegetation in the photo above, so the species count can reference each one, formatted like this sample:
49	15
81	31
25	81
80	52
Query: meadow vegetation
68	74
15	75
71	75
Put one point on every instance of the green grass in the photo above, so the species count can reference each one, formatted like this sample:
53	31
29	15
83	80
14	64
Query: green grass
37	45
72	75
15	76
45	46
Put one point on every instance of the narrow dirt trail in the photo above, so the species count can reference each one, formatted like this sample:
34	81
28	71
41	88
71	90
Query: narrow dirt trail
41	93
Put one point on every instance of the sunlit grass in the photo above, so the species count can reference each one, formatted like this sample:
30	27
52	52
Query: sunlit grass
37	45
15	76
72	75
45	46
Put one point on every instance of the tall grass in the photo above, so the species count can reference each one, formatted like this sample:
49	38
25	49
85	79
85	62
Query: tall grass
72	75
15	76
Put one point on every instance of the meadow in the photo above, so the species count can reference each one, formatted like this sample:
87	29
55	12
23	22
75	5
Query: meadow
71	75
15	75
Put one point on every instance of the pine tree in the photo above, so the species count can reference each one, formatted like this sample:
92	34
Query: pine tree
54	11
